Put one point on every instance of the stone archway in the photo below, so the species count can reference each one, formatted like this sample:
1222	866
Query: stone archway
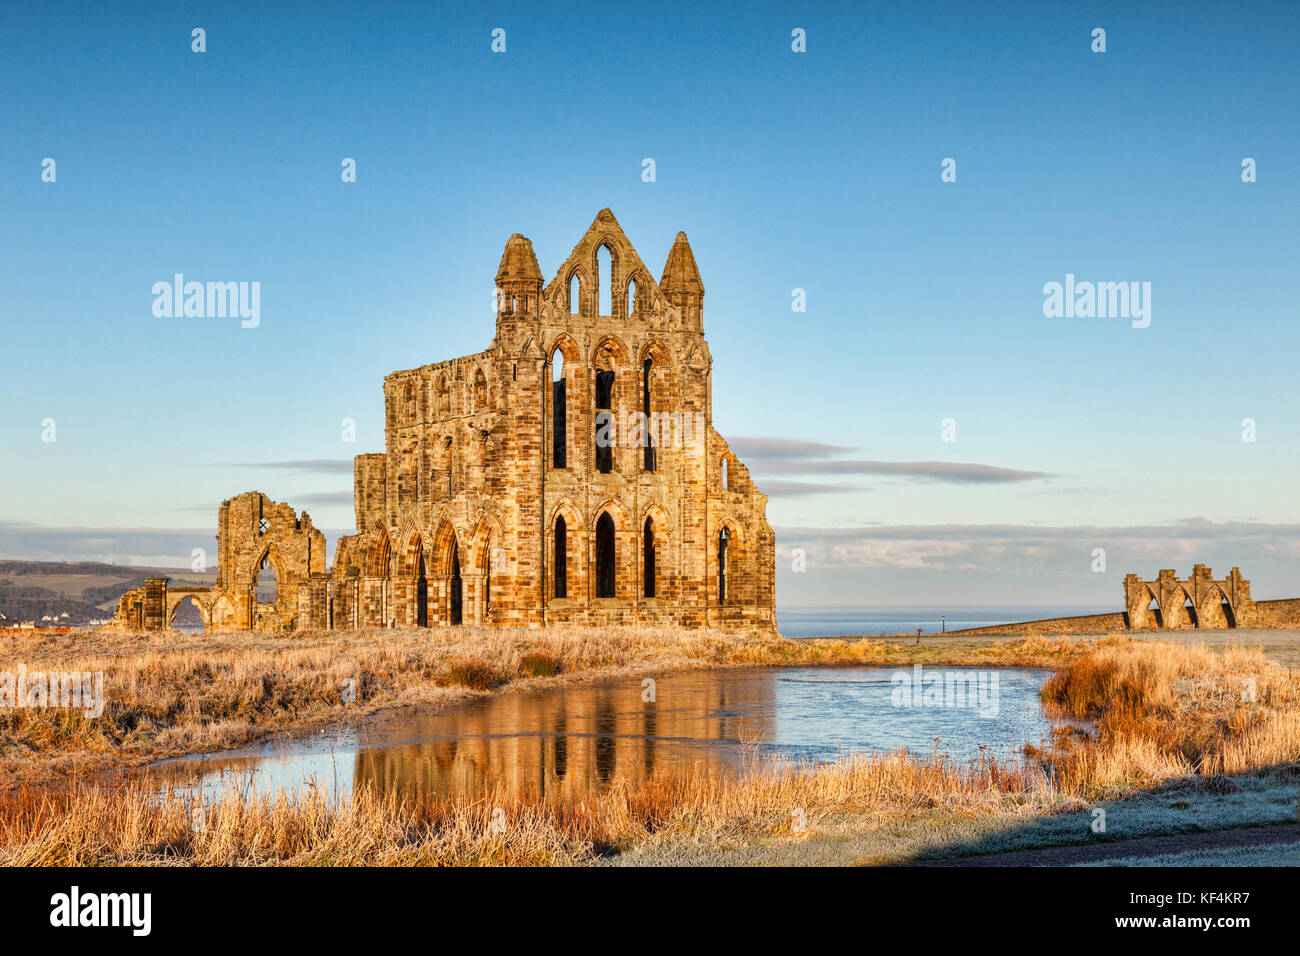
448	576
1180	612
1144	611
1215	611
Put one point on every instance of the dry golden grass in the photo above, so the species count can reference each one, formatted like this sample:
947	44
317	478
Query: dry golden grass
132	825
169	694
1164	711
1161	712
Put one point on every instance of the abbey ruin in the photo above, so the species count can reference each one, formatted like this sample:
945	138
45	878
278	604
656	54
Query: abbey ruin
569	473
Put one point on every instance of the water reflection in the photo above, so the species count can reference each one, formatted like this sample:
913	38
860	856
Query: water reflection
575	740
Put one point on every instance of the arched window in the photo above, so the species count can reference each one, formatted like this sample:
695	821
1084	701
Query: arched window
455	585
421	589
724	539
559	413
1153	612
561	558
480	391
605	556
409	396
605	422
444	397
605	280
267	585
575	294
633	298
724	474
648	556
647	432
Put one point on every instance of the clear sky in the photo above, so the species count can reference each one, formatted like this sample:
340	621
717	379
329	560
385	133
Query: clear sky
817	170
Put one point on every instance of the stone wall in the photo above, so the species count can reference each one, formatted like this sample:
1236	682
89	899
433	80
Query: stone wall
1081	624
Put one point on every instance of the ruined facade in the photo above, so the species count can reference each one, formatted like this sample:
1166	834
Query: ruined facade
1168	602
1173	603
569	473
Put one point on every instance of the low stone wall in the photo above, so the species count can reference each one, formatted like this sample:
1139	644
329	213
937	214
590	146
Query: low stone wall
1283	613
1083	624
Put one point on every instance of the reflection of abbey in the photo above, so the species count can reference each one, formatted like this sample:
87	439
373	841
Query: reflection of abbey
569	473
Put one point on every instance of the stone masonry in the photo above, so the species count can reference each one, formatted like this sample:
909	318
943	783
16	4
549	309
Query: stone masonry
568	474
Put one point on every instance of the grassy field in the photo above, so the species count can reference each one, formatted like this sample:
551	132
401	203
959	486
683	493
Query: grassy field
1187	736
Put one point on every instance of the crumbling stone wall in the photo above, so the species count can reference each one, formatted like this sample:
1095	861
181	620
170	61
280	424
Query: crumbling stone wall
1195	602
492	458
457	520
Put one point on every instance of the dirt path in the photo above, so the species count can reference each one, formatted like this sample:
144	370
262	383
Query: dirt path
1117	849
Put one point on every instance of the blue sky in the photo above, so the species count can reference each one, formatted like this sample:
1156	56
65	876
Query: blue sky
818	171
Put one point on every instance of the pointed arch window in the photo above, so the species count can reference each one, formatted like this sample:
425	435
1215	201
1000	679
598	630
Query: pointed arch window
444	397
575	294
604	421
605	577
455	586
561	558
648	557
724	543
647	433
605	280
633	298
559	413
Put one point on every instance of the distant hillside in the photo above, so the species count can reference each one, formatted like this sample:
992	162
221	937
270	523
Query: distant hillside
85	591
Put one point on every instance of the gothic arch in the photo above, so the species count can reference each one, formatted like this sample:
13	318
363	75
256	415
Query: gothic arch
1141	615
728	586
574	563
585	286
641	302
482	397
442	396
271	555
618	352
566	346
663	521
1177	613
605	555
1215	610
657	350
616	252
343	556
617	511
446	545
412	548
175	600
572	516
487	530
377	555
